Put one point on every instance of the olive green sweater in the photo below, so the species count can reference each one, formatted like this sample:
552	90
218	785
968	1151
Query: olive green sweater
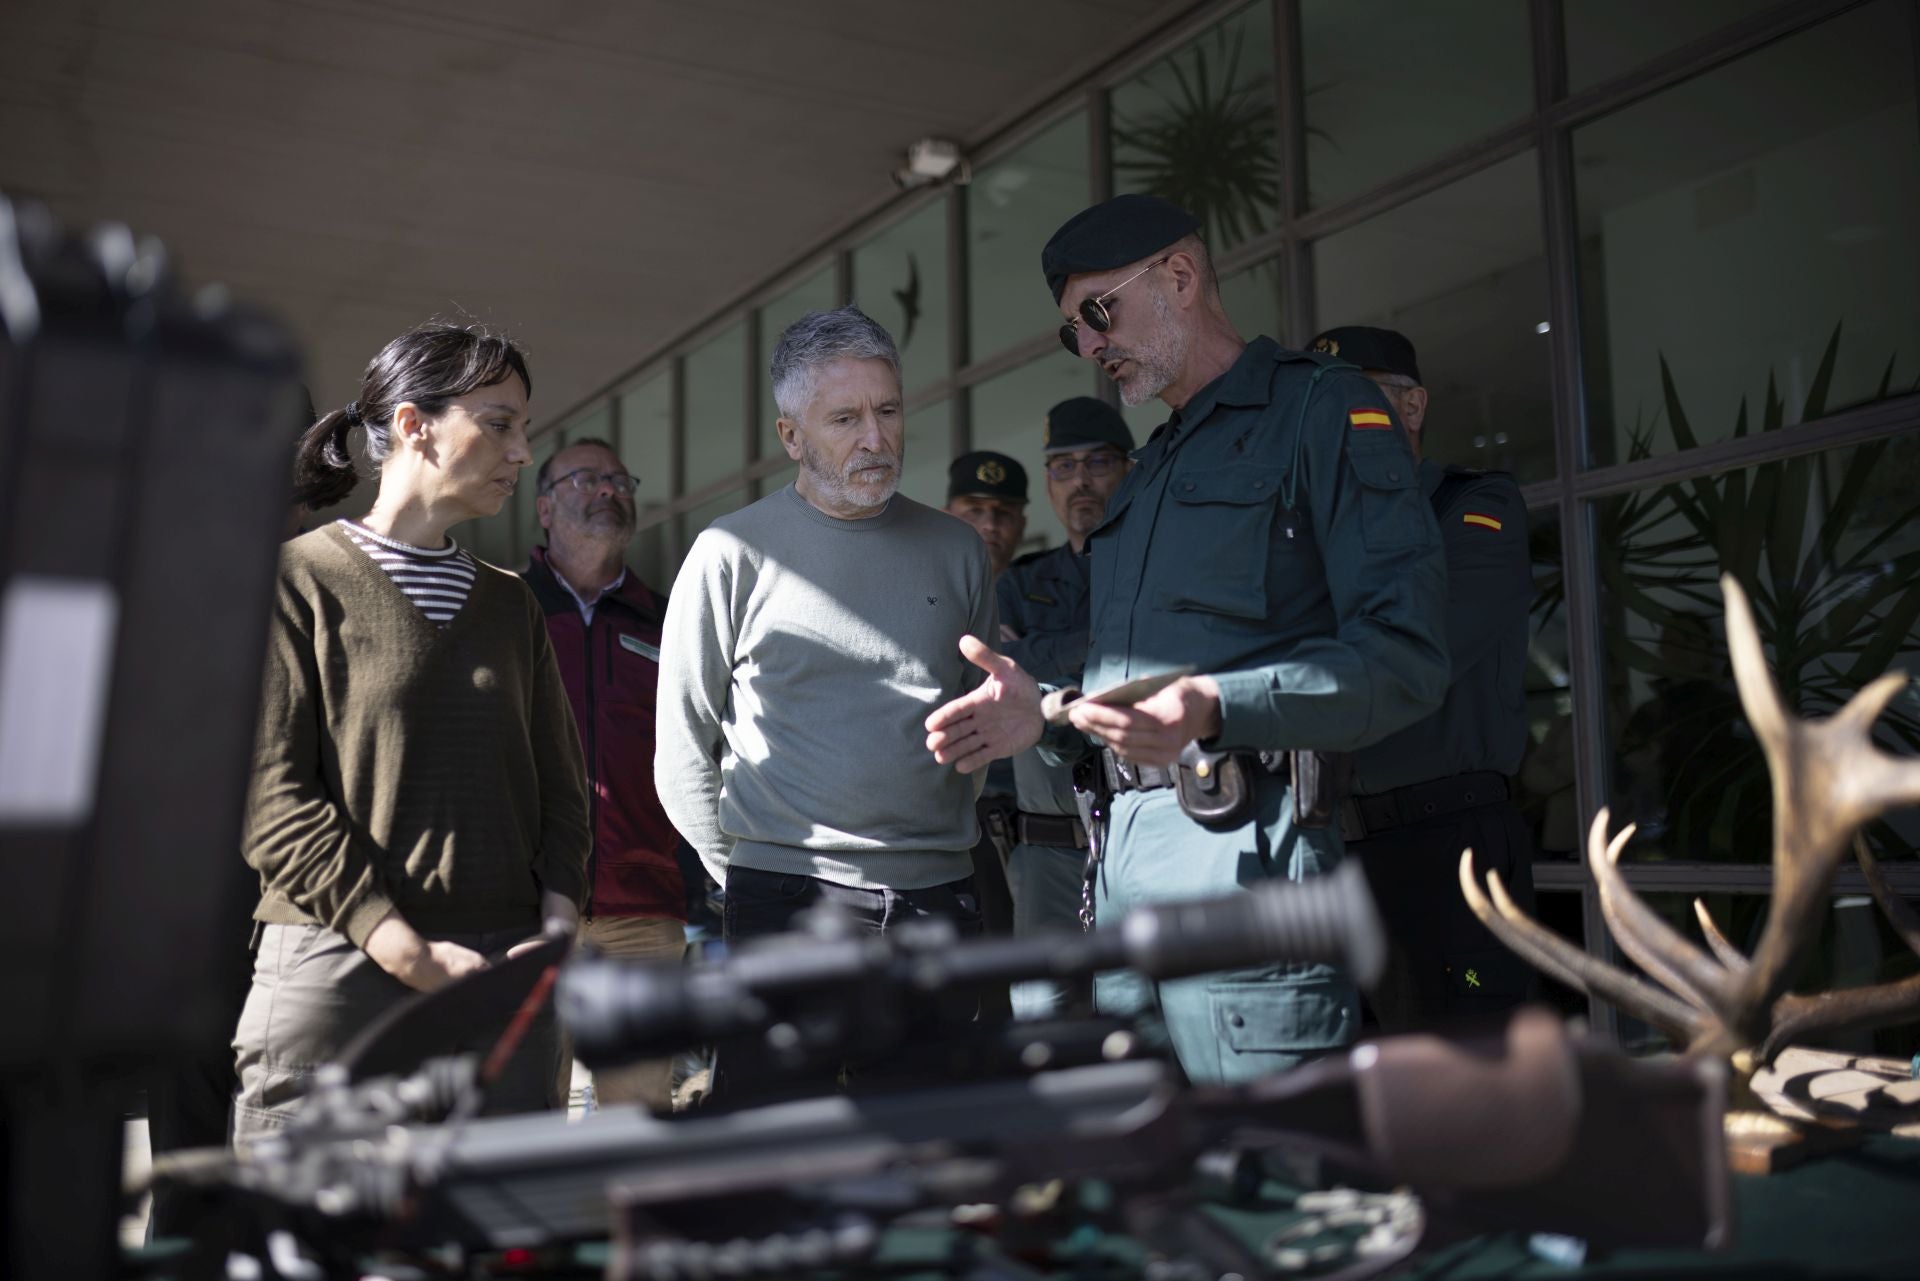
404	765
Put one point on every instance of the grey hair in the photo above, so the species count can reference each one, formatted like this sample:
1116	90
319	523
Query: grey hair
815	341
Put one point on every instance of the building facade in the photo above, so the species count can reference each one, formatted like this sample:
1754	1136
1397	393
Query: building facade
1661	261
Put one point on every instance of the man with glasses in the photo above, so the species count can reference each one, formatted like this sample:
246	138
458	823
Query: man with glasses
1444	783
605	625
1043	627
1272	538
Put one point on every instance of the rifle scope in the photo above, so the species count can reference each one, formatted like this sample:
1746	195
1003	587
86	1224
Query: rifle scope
619	1010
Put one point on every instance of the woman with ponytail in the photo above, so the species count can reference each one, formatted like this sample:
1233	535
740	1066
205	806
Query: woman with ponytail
418	799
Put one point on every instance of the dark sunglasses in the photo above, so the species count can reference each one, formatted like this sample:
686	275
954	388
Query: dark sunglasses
1094	310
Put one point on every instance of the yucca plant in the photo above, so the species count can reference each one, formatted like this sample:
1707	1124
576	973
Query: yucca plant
1209	144
1836	606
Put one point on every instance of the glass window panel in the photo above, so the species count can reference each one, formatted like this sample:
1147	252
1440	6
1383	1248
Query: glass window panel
1546	775
812	294
646	436
1828	547
1853	947
1607	37
1008	415
1252	299
1462	273
1748	235
717	390
647	555
1390	85
595	424
923	477
1013	206
1198	127
900	279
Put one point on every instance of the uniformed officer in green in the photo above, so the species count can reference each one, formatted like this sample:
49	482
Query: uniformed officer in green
1043	627
989	492
1273	535
1444	784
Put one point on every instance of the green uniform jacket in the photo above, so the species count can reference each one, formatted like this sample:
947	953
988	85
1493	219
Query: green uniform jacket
1273	534
1482	725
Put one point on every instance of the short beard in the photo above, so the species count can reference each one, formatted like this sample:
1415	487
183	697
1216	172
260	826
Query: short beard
596	529
839	489
1158	360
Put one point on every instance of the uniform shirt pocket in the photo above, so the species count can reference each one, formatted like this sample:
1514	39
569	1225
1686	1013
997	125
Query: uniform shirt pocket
1221	521
1390	505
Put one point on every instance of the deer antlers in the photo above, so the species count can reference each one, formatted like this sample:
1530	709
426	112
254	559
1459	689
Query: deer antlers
1829	780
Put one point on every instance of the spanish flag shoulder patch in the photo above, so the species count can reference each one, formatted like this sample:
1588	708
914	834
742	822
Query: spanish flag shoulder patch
1481	519
1370	420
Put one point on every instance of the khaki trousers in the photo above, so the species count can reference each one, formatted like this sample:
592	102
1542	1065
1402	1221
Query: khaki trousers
643	938
314	991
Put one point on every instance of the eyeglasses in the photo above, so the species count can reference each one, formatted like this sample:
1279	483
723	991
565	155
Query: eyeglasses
1094	310
1064	467
586	480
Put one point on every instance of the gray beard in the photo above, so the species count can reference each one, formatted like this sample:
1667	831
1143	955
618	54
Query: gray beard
838	490
1158	360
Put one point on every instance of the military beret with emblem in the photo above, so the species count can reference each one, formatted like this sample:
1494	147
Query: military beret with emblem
985	474
1085	423
1112	234
1382	351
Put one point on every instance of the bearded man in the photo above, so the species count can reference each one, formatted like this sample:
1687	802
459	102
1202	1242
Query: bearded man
605	625
807	638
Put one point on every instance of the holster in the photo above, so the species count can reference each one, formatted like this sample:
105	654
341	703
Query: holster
1320	782
1212	787
996	821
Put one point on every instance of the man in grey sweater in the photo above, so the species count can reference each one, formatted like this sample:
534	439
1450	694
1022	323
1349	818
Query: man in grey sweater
807	638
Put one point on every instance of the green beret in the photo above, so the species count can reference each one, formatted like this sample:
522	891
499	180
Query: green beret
1085	423
1381	350
985	474
1112	234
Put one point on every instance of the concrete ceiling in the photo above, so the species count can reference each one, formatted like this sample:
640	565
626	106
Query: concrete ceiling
592	175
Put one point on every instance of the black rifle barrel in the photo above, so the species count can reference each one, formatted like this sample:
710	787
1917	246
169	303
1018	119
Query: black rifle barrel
620	1009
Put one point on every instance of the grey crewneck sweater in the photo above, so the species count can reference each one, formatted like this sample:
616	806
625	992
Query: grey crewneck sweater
800	659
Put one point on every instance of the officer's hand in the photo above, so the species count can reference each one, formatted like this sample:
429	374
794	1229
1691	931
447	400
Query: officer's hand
1008	635
1154	730
1001	718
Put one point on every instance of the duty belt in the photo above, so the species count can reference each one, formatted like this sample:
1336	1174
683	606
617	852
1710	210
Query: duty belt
1055	831
1364	816
1125	776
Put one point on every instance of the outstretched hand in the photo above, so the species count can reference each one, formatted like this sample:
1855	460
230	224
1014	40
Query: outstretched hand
1001	718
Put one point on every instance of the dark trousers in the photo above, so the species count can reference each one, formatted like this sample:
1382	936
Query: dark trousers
1444	969
190	1097
890	1047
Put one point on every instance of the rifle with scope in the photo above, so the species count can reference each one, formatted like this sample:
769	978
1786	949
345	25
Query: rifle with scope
1537	1129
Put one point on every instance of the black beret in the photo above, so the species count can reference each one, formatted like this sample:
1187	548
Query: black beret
1085	423
985	474
1112	234
1378	349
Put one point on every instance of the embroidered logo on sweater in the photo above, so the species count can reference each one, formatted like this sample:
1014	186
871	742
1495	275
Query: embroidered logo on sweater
639	647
